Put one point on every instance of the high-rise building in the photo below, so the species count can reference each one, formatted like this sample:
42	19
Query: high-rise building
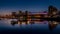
13	14
52	11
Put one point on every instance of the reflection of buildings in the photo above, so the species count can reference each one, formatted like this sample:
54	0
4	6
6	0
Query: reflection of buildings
26	16
52	24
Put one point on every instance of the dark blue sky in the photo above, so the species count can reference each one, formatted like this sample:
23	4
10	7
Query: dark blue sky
30	5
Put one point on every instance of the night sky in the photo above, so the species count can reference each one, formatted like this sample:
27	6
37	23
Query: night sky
30	5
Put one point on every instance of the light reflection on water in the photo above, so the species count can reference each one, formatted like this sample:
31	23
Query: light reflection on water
6	24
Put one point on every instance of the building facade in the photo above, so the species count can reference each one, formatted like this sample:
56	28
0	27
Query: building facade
52	11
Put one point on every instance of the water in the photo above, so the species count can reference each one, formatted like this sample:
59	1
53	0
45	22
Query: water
6	26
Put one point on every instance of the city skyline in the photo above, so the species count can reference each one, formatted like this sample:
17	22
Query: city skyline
30	16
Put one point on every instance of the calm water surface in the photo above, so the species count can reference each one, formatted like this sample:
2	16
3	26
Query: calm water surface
5	25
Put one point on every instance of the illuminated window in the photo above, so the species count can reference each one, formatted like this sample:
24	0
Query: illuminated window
54	13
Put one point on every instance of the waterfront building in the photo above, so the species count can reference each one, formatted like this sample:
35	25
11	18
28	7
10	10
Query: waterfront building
52	11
